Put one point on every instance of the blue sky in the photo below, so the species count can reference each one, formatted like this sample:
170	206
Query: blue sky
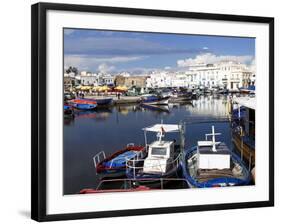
113	51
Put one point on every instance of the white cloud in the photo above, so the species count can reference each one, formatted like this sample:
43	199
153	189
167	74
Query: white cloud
88	62
104	68
209	58
205	48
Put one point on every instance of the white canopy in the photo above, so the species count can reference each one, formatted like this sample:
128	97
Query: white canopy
163	127
249	102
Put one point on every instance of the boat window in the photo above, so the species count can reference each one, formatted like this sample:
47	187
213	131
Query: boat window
158	151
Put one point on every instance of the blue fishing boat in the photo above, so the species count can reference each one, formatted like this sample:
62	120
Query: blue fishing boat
163	156
212	164
243	127
238	114
83	104
102	101
114	165
250	89
153	99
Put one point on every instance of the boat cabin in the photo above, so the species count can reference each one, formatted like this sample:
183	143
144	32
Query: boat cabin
160	153
212	154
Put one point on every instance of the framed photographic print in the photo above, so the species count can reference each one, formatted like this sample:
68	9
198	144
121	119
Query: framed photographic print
138	111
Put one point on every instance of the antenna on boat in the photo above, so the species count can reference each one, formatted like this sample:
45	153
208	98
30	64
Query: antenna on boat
213	134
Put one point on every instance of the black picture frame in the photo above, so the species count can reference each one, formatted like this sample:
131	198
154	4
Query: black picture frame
38	108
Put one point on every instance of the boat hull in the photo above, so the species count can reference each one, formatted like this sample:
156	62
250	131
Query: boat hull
153	100
102	101
246	150
161	108
216	181
109	168
81	106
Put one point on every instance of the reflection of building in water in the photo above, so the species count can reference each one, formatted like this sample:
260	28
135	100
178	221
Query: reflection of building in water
210	106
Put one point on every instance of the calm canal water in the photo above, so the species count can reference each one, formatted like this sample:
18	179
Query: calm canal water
112	128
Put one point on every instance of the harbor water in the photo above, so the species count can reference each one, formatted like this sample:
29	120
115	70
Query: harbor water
112	128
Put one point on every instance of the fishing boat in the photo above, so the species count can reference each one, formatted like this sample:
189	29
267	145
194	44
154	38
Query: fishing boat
212	164
181	97
114	165
248	90
105	101
238	114
153	99
163	156
68	111
223	91
160	108
131	185
83	104
243	127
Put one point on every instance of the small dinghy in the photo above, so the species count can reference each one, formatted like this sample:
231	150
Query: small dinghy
115	164
163	157
212	164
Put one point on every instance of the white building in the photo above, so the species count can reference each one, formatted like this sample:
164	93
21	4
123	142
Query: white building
229	74
93	79
158	80
88	78
106	79
169	79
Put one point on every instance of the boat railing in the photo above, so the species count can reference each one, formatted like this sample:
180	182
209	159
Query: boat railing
136	164
98	158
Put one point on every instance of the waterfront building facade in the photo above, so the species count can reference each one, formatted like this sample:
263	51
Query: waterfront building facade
226	74
89	79
93	79
106	79
131	81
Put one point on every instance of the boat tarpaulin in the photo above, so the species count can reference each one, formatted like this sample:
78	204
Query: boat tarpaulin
120	160
249	102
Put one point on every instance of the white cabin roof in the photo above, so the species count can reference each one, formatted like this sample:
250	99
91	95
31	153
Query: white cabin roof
205	143
249	102
163	127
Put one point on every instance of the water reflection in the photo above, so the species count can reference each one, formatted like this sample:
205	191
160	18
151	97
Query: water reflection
110	129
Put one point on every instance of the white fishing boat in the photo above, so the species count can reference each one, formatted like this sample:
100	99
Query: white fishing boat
163	156
212	164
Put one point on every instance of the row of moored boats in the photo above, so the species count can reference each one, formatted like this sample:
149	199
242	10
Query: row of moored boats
164	164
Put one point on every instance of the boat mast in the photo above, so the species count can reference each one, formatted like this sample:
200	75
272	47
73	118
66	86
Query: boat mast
213	134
